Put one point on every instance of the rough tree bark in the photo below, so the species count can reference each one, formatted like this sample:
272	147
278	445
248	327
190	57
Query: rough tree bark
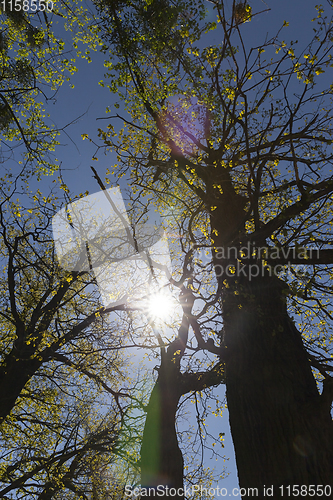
281	426
161	458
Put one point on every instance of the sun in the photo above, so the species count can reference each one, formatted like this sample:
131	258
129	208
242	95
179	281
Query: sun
159	305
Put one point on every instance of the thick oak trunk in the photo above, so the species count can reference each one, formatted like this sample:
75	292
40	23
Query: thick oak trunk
14	375
280	424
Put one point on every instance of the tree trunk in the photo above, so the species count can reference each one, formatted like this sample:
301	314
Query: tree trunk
161	458
281	426
14	375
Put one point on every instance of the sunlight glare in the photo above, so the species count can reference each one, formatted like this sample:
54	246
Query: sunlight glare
159	306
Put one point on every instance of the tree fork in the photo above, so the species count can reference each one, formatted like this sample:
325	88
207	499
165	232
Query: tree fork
161	458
